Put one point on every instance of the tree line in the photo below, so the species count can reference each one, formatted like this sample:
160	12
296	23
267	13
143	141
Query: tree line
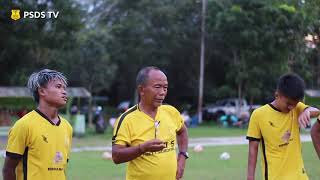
101	45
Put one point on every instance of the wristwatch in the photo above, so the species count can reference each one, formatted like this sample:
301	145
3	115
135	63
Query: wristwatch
185	154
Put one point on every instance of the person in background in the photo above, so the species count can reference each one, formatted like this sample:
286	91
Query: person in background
186	118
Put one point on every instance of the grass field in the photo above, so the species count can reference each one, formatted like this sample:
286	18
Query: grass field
202	166
92	139
207	130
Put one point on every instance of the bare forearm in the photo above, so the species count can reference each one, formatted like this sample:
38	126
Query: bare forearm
9	174
314	112
9	168
182	139
121	155
252	160
315	135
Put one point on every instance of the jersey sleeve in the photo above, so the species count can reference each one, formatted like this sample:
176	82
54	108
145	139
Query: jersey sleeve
176	116
17	140
301	107
254	132
121	132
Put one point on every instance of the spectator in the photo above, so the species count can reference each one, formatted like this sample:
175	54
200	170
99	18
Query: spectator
74	110
187	119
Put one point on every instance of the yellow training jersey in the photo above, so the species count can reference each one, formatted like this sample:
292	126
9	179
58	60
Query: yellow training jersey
135	127
42	146
280	143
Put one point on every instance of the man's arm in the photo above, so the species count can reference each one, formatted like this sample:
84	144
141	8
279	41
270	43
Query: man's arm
182	139
9	168
121	154
315	135
314	112
252	159
304	117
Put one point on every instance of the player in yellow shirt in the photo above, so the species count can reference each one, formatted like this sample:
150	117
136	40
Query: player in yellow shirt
146	135
275	127
39	143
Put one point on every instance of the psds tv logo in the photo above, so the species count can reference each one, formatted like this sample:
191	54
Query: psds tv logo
40	14
15	14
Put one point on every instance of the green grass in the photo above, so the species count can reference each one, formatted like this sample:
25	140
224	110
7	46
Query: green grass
93	139
203	166
215	131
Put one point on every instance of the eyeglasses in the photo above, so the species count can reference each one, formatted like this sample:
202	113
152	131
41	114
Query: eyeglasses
156	127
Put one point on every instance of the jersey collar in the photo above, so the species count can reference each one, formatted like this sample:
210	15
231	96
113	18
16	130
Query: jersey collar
146	115
273	107
46	117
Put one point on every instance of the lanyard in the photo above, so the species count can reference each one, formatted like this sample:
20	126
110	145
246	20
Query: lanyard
156	127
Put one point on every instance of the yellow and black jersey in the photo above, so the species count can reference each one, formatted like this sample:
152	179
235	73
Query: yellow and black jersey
280	143
135	127
42	146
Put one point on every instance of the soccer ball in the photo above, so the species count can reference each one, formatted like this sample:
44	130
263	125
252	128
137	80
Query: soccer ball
225	156
198	148
106	155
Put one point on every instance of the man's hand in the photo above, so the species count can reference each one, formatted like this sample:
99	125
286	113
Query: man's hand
152	146
121	153
181	165
304	118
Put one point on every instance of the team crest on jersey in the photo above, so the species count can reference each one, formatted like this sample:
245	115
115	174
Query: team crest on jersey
286	136
15	14
58	158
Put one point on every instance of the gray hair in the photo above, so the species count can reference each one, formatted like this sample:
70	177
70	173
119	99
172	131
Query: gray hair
41	79
143	75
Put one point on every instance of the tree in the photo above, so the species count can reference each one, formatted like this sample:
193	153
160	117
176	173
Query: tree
311	10
259	40
29	44
90	65
161	33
